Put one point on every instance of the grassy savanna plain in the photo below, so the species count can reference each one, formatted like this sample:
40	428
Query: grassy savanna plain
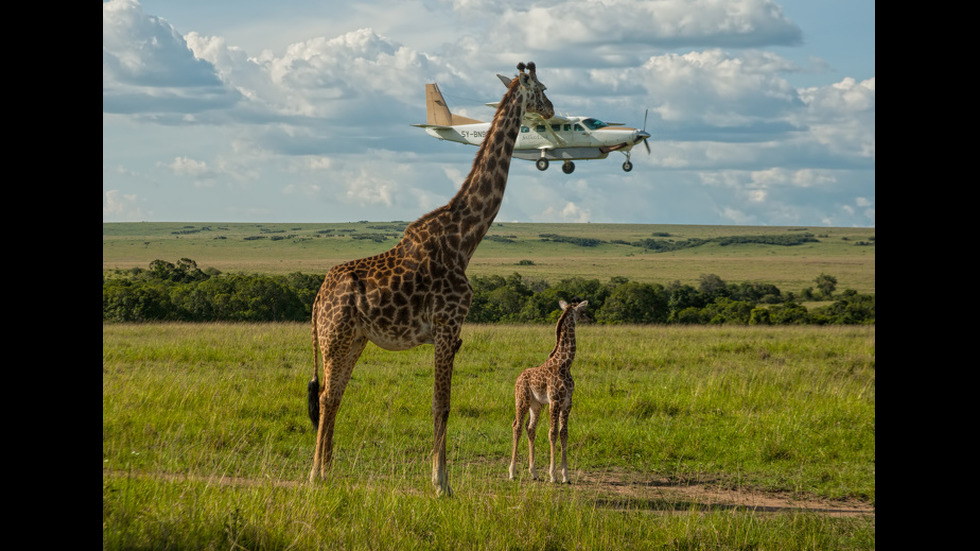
713	437
845	253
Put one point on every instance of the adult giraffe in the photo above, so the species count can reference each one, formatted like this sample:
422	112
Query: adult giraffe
417	292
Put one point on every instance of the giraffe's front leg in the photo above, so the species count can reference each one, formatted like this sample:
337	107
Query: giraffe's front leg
553	415
563	431
445	352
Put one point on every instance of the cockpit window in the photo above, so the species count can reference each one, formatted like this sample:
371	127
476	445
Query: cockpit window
594	124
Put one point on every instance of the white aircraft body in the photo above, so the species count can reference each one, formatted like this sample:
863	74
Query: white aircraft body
560	138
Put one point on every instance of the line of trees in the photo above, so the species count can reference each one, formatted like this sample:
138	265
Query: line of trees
182	292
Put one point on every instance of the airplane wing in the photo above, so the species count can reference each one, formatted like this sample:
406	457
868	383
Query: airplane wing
534	118
436	126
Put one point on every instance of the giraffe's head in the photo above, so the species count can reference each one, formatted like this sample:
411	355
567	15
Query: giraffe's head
576	308
532	92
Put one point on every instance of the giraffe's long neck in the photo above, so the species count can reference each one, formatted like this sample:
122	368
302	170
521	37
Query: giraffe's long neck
564	353
476	203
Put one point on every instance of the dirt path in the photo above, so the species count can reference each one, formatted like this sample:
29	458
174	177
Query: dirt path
630	490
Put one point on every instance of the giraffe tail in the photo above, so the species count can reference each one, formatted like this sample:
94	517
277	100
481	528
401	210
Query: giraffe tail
313	387
313	401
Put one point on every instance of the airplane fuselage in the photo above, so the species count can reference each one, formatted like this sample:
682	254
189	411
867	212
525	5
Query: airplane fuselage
571	139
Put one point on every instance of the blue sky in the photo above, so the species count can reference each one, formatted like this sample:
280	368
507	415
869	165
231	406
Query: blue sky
761	112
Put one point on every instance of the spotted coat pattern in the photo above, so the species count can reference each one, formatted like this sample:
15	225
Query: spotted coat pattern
417	292
548	384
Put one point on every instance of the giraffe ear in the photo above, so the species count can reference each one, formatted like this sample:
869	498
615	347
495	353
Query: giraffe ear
563	304
581	305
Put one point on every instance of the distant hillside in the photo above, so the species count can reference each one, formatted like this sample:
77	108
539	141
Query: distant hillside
789	257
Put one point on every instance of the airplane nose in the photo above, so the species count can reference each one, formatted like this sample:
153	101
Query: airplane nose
642	135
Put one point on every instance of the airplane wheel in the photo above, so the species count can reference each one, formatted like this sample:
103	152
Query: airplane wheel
568	167
541	163
627	166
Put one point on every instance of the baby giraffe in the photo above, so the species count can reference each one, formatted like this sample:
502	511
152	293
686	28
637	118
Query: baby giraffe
549	383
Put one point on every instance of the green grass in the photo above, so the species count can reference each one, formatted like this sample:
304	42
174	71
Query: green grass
150	514
846	253
206	443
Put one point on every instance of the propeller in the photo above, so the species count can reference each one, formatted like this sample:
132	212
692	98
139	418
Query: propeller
643	134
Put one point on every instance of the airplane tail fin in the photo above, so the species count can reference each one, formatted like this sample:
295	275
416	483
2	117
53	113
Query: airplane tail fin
437	112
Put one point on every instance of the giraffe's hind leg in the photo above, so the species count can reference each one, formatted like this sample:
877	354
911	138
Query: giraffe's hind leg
339	357
520	413
532	425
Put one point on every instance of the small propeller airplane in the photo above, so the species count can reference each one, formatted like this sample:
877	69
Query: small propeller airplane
560	138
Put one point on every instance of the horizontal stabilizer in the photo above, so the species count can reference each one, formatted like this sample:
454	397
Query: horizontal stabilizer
436	126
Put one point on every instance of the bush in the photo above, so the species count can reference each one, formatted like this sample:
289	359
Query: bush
183	292
635	303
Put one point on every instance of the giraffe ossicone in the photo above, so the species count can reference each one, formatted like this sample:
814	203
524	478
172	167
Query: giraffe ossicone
417	292
549	384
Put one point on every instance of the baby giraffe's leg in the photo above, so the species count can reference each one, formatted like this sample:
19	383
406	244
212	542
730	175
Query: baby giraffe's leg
535	409
553	415
563	431
521	408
